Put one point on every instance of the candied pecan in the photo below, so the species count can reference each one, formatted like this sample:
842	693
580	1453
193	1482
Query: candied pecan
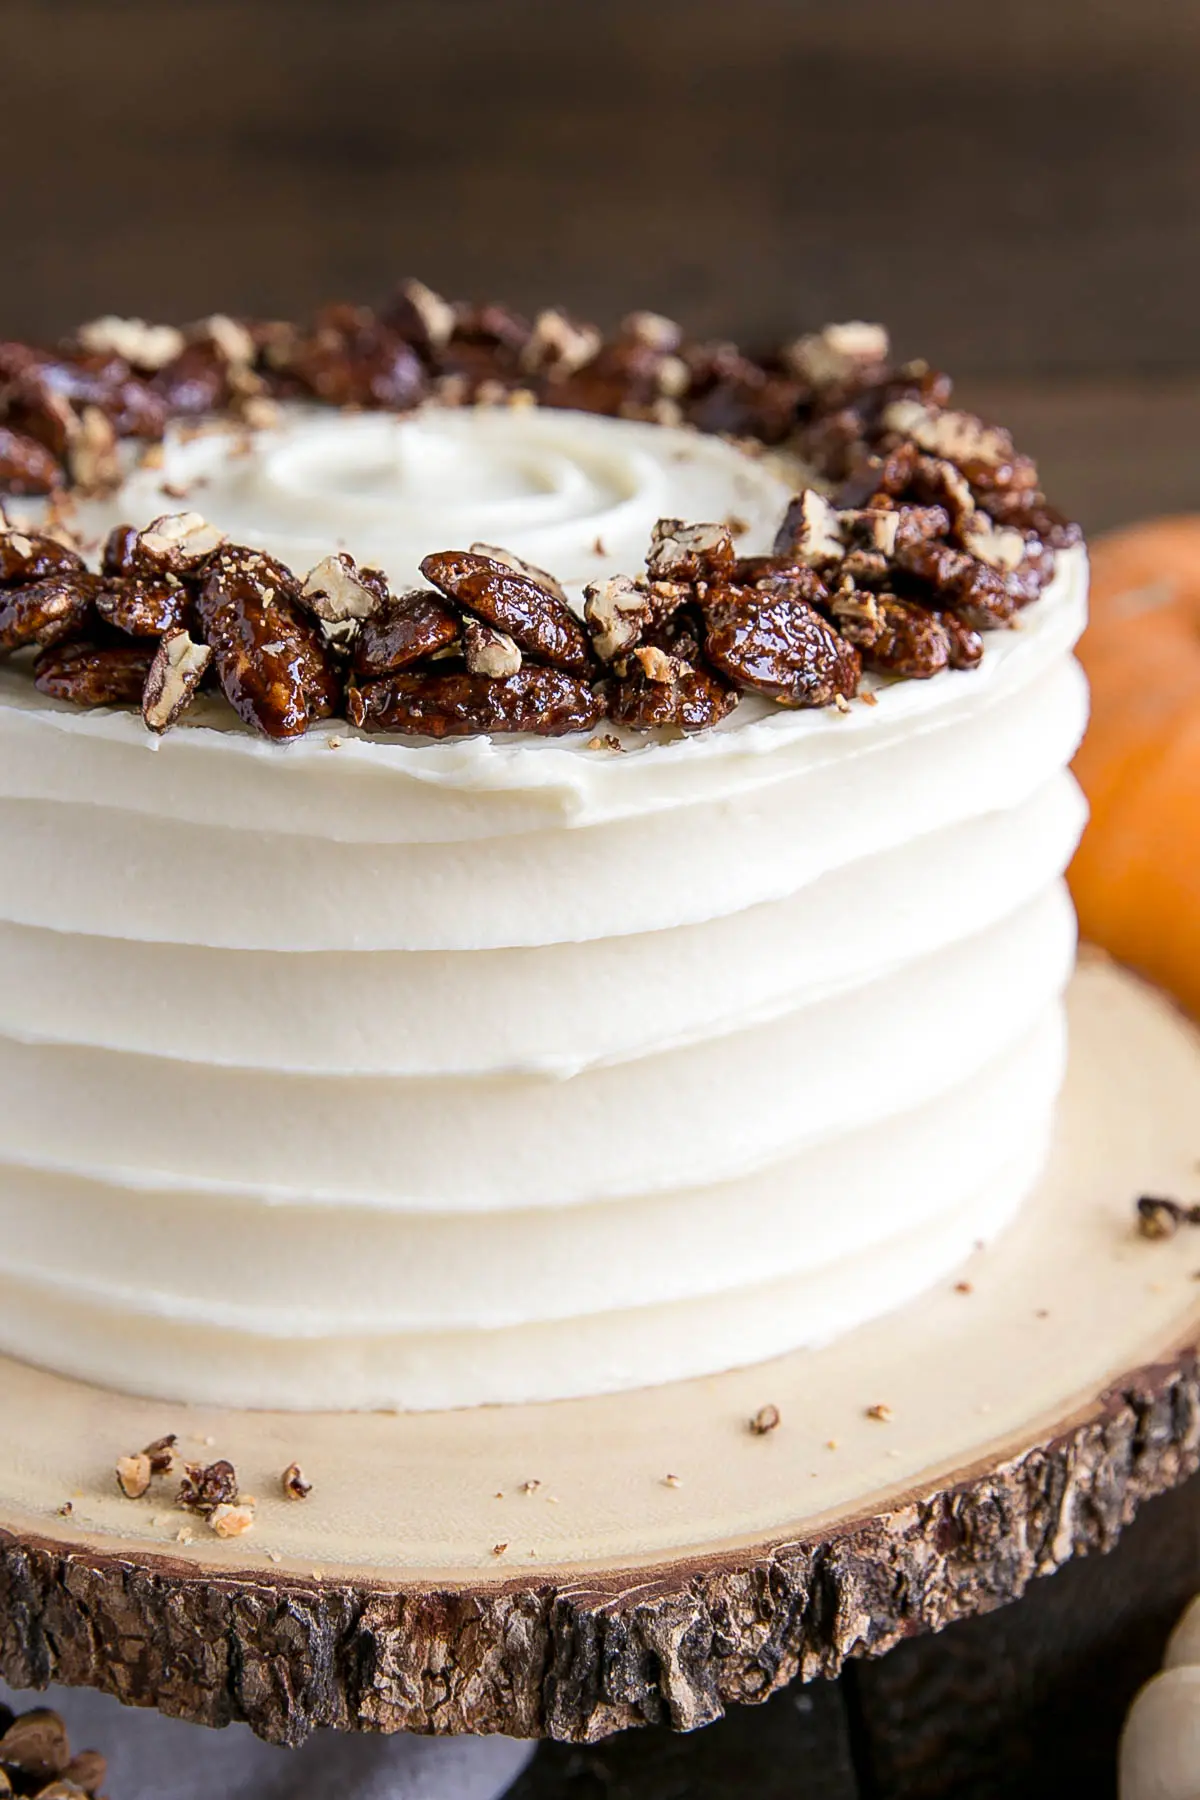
686	553
1028	510
275	669
143	346
26	466
353	359
533	617
178	668
871	474
938	482
781	575
341	594
195	381
205	1488
419	316
46	611
918	525
617	612
558	346
293	1483
487	651
35	1745
833	442
49	390
143	605
90	674
778	645
92	455
652	689
179	542
31	556
810	531
759	404
511	560
966	644
406	628
120	553
896	637
547	702
954	579
840	354
958	437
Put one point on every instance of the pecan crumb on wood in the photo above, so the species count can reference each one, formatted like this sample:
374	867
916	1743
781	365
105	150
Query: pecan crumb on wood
1159	1218
295	1487
766	1419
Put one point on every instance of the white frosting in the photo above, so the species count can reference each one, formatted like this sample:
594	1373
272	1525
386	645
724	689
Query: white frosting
361	1073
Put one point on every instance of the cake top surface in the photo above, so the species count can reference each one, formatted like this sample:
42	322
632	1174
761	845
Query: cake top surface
436	521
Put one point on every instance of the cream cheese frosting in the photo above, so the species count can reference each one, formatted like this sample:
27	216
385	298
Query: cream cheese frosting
374	1073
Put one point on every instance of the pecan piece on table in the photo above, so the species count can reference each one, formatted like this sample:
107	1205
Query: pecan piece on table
407	628
652	689
178	668
530	614
205	1488
27	466
896	637
548	702
28	556
277	672
778	646
89	674
143	605
46	611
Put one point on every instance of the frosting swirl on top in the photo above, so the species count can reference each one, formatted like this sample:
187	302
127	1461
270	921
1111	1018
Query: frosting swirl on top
571	492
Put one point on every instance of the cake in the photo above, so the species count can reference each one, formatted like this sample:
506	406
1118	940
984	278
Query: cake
654	967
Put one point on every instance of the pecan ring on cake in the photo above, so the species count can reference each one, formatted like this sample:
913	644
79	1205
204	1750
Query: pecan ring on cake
914	528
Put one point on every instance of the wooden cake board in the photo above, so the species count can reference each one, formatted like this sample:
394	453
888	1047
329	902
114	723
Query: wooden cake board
566	1570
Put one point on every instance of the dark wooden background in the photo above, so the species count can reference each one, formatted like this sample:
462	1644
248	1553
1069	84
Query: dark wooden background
1011	185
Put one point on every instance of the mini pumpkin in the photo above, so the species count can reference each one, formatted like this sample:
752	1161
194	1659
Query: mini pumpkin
1136	878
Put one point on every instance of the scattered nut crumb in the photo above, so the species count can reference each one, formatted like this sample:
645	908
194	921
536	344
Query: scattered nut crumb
230	1519
133	1475
831	1443
963	1287
598	548
765	1419
274	1556
736	525
672	1481
295	1487
531	1486
499	1549
1042	1312
606	741
185	1535
1159	1218
66	1509
881	1411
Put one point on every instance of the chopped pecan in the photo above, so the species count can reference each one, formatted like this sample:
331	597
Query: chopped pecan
918	525
179	542
277	672
488	651
533	617
143	605
896	637
871	474
407	628
558	345
353	359
958	437
839	354
32	556
90	674
231	1518
548	702
133	1475
92	455
936	481
120	553
420	316
205	1487
178	668
294	1486
652	689
687	553
778	645
46	611
810	531
617	612
342	595
195	380
144	347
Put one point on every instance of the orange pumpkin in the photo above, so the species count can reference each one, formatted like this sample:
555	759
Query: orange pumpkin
1136	878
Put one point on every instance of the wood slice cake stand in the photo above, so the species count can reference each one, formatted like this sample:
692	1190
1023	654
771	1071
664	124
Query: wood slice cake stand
1023	1421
